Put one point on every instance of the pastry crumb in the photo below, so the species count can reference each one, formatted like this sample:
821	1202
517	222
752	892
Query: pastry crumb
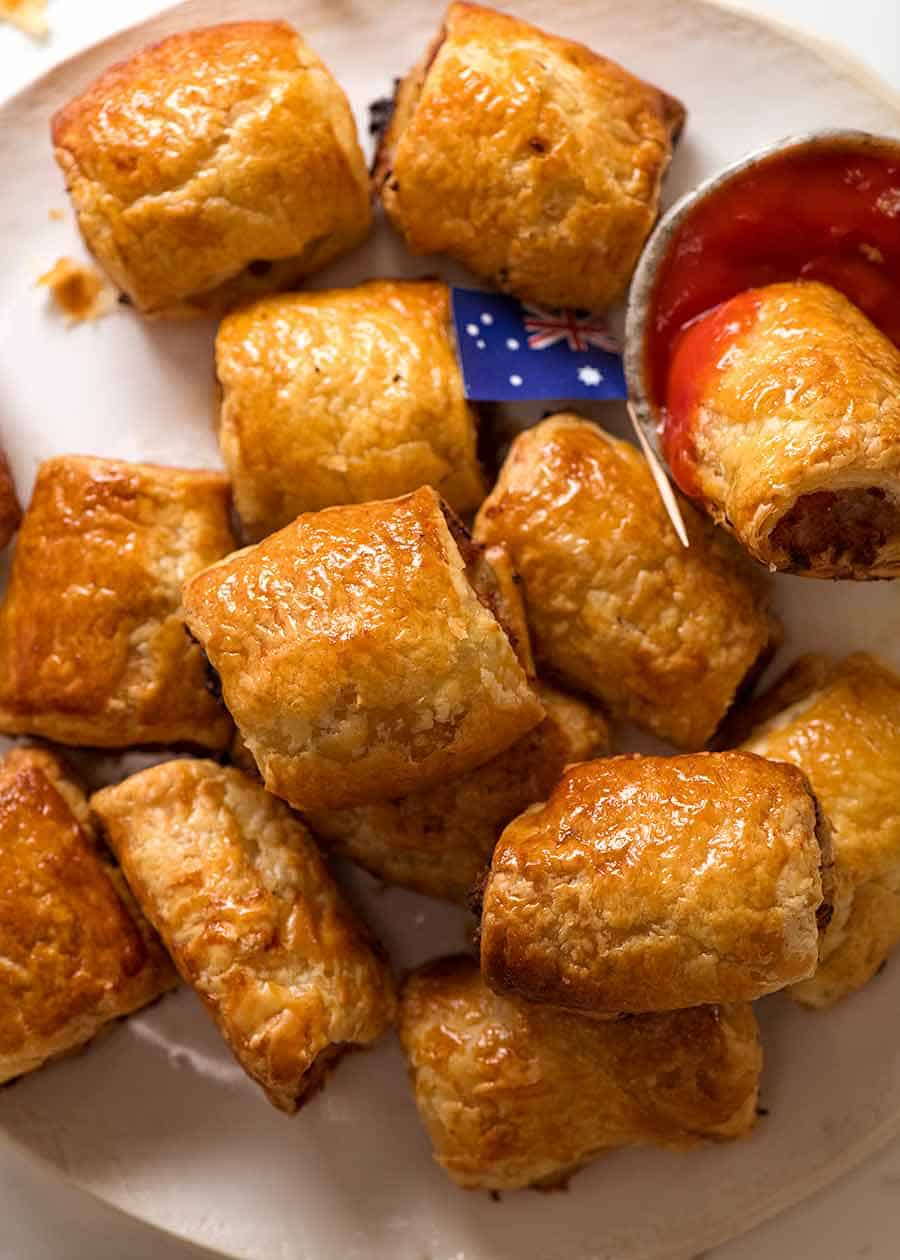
55	215
80	292
29	15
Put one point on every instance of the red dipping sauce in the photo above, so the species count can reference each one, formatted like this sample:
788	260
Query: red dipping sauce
829	213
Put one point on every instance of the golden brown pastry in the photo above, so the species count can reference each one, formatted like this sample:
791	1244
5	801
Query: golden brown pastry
844	733
439	840
783	418
344	396
236	888
74	951
657	883
10	508
356	657
617	607
93	649
514	1094
218	163
528	158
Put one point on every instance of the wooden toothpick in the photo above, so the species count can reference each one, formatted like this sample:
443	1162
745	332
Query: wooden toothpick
663	485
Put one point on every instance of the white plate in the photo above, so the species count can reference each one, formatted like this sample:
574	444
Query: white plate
156	1118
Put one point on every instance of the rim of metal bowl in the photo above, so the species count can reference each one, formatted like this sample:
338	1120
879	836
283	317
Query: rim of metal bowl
643	285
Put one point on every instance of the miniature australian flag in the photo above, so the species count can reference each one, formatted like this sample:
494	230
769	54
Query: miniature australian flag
510	350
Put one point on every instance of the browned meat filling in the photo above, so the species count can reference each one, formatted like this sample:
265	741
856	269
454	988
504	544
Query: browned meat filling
844	529
479	573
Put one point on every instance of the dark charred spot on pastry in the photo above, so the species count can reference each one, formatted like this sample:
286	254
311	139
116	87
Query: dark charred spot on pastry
211	679
537	144
741	715
124	300
824	915
675	115
103	845
475	899
259	267
381	111
398	376
825	912
557	1182
841	531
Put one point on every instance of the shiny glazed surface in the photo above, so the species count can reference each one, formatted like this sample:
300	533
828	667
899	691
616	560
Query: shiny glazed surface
209	153
514	1094
617	607
439	841
344	396
528	158
780	394
76	953
254	922
657	883
92	645
845	735
355	657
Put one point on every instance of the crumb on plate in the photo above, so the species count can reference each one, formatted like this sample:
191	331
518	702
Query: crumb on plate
55	215
29	15
80	292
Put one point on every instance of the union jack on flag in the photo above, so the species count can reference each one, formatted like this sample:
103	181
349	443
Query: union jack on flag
509	351
546	328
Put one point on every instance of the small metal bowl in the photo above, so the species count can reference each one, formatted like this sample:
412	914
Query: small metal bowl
643	287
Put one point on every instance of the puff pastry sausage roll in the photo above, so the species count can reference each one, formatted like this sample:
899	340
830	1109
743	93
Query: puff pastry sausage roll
356	656
74	951
514	1094
784	420
344	396
439	840
528	158
220	162
845	734
236	888
92	647
617	607
656	883
10	508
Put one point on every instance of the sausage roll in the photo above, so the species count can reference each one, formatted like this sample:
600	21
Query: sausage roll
359	655
236	888
783	419
221	162
341	397
10	508
514	1094
844	733
656	883
74	951
528	158
92	645
617	607
439	840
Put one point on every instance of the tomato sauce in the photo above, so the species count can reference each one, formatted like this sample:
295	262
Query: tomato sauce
696	354
829	214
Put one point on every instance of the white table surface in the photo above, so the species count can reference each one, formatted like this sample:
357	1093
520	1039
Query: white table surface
43	1218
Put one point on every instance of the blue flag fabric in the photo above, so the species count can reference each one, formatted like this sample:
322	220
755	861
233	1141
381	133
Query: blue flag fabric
509	350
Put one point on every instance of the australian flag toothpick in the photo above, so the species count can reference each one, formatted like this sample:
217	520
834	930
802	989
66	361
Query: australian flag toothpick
510	350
